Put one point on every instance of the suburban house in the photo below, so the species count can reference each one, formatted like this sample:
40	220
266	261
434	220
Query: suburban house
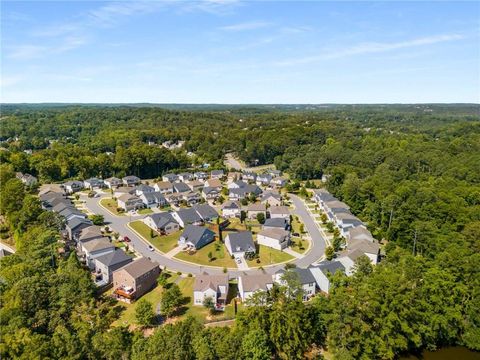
143	189
272	199
249	176
181	187
93	183
210	193
75	226
278	182
73	186
211	286
90	233
186	176
165	187
153	199
263	179
214	183
254	209
238	184
135	279
250	284
170	178
164	223
322	272
195	185
305	278
275	238
348	259
369	248
240	243
234	176
196	237
187	216
191	197
90	250
50	196
279	212
216	174
121	190
277	223
130	202
359	233
70	212
231	209
106	264
113	182
131	180
321	196
206	212
200	175
274	173
27	179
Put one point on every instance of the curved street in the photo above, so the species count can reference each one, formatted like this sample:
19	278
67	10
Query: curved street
119	224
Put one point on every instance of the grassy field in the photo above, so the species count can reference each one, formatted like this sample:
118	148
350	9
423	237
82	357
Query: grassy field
200	312
127	315
295	242
110	205
164	243
269	256
221	258
235	224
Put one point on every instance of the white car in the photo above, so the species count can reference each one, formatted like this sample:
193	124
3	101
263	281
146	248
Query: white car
239	261
150	247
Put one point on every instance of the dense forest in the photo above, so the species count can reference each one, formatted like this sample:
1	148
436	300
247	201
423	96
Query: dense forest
411	172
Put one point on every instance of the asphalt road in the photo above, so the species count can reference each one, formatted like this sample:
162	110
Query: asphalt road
119	224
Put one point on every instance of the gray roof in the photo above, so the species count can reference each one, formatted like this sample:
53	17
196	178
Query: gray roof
204	282
113	180
208	190
131	178
330	267
188	215
181	187
305	276
256	282
139	267
231	205
216	172
71	211
324	195
267	195
116	257
256	207
156	196
76	222
275	233
73	183
61	205
98	244
276	223
162	219
205	211
94	180
171	176
194	233
144	188
241	241
281	210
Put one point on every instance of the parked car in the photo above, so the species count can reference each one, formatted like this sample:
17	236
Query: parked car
126	238
150	247
239	261
295	234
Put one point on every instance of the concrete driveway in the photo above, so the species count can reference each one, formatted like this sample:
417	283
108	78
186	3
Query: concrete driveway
119	224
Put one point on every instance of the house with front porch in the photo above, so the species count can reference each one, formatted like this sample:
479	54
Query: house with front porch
240	244
231	209
196	237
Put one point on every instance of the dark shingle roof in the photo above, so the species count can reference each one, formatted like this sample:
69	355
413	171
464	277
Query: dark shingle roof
331	267
181	187
194	233
116	257
188	215
205	211
162	219
139	267
241	241
275	222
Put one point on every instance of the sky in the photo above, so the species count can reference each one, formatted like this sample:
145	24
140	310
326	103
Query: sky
229	51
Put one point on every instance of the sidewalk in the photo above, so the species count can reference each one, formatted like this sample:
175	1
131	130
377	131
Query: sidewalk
293	253
173	252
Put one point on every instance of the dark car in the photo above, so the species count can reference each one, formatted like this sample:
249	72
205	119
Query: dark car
295	234
126	238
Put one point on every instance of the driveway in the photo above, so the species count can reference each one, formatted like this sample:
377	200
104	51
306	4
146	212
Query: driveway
119	224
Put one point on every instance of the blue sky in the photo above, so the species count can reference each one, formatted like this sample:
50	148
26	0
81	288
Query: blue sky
227	51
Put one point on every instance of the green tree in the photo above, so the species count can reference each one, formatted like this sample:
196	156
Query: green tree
209	304
97	219
256	345
261	218
144	314
329	252
171	300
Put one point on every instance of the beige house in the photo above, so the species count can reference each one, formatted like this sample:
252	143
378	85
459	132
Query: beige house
254	209
135	279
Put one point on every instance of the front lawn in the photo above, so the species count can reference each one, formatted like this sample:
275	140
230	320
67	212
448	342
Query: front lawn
110	205
164	243
145	211
220	256
295	243
235	224
269	256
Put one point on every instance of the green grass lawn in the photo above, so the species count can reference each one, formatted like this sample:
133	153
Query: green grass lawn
164	243
110	205
200	312
235	224
145	211
295	242
269	256
127	315
220	256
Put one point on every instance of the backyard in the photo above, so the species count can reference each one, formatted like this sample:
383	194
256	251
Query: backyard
220	256
164	243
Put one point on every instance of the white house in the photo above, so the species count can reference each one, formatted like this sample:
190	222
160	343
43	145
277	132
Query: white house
231	209
240	243
93	183
143	189
322	272
211	286
131	180
272	199
279	212
165	187
305	278
254	209
153	199
113	182
170	178
130	202
164	223
73	186
275	238
250	284
94	248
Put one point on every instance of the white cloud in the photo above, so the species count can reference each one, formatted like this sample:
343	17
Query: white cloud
371	47
26	52
246	26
